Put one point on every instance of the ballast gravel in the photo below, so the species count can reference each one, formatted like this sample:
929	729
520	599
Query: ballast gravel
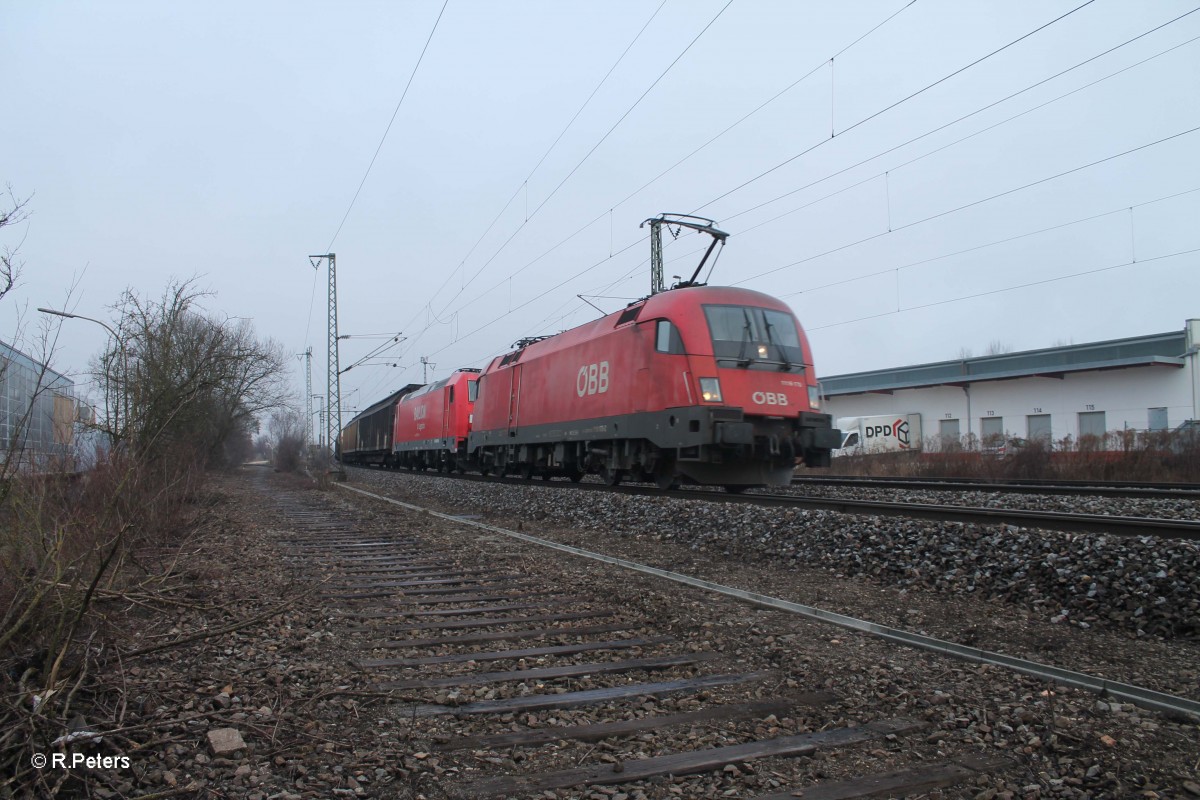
1145	586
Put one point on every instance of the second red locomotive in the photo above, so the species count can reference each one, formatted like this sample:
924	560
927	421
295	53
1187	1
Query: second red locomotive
431	423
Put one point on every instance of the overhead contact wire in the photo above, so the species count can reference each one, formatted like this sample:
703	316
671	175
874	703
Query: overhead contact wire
589	153
383	139
967	205
678	163
903	100
525	184
959	299
994	243
980	110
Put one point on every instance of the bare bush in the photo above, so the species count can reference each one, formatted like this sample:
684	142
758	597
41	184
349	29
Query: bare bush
285	434
183	392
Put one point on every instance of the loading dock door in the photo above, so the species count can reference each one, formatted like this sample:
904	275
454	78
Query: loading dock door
1039	428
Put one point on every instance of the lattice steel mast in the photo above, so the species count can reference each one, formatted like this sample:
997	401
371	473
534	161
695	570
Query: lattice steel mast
333	391
308	396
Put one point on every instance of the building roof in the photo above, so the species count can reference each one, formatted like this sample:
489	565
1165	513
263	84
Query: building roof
48	378
1163	349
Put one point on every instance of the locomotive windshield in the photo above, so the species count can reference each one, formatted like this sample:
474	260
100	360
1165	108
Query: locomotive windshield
762	338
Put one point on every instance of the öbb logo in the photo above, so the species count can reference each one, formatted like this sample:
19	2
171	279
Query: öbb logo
770	398
592	379
899	429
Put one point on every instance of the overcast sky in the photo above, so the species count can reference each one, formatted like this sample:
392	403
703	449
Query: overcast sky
901	198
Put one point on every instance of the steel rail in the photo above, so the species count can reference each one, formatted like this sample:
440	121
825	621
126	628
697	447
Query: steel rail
1137	695
1027	518
1183	491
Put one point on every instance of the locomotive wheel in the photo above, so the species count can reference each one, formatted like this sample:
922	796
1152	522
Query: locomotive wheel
576	475
527	472
735	488
460	467
610	475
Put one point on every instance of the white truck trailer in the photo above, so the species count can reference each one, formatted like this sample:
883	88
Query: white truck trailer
879	434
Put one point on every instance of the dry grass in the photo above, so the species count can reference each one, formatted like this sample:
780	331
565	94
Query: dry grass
65	541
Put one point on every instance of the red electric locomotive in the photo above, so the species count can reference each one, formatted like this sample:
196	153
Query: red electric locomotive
708	384
431	423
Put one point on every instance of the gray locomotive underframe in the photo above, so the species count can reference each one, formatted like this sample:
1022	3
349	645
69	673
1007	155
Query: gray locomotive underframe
702	443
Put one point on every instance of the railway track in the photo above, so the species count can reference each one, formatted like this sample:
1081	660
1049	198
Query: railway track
1050	520
1159	491
508	674
526	685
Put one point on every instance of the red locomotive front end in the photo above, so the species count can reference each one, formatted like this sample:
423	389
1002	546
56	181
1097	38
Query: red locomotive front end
713	385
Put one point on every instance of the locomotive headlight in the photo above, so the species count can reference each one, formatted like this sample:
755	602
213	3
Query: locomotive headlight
814	397
710	390
762	351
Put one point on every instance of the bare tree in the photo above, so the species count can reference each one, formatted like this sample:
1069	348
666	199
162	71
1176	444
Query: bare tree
12	212
183	383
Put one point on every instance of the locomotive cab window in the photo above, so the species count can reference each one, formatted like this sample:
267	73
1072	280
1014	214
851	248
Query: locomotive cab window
472	391
666	338
754	338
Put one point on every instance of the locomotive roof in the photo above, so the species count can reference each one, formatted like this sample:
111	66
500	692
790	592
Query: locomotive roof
664	304
429	387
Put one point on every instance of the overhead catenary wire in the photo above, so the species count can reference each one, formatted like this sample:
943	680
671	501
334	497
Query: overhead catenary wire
896	104
727	217
855	125
1131	262
382	139
852	244
524	185
932	152
995	243
597	145
759	108
713	139
972	204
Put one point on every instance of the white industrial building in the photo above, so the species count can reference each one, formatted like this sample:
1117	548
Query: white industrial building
1143	383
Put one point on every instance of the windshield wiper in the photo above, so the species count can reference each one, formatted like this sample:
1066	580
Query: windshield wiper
743	360
787	365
